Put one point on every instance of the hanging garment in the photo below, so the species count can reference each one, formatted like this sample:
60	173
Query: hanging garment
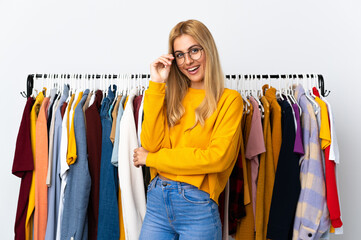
33	117
23	166
41	163
255	146
87	101
114	159
54	189
310	222
108	219
335	158
286	189
298	140
94	145
245	227
130	177
51	121
75	221
71	155
266	177
63	162
276	128
114	117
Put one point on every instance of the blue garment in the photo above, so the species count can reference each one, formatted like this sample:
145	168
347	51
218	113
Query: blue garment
108	219
114	160
54	189
177	210
75	220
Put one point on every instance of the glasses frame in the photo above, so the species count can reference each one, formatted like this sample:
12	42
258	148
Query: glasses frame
190	56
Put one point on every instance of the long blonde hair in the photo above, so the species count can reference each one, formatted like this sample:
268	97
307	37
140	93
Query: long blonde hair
178	83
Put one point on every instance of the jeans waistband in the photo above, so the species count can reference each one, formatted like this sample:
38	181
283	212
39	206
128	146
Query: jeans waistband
171	184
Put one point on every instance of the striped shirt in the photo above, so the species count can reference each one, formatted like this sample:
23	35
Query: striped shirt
312	217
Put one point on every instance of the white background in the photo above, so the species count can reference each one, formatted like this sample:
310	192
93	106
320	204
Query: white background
262	36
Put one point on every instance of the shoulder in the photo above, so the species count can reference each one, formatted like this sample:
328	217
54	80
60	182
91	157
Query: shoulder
231	97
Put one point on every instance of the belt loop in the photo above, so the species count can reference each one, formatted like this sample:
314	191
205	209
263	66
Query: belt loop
179	185
156	180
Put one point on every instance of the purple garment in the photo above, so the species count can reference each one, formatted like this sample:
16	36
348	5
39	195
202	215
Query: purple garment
298	140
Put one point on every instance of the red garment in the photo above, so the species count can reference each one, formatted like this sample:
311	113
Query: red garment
94	144
23	166
136	104
63	108
331	185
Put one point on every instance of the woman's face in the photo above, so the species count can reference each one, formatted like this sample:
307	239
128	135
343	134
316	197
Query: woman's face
185	46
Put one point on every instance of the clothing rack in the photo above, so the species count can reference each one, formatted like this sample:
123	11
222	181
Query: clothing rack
30	79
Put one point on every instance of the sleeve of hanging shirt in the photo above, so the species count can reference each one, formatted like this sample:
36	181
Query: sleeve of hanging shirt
218	156
155	122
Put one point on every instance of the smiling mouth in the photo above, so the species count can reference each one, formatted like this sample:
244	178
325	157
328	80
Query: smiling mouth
193	70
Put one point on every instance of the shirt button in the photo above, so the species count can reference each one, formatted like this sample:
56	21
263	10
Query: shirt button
310	235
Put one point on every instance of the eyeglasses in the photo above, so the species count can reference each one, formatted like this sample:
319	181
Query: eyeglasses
194	53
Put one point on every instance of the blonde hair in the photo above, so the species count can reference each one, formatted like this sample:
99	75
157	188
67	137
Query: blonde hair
178	83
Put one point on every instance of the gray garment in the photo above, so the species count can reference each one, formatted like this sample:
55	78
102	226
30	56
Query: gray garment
54	189
74	224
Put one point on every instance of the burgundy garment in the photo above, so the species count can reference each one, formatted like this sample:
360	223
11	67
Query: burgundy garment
136	104
94	145
23	167
63	108
236	196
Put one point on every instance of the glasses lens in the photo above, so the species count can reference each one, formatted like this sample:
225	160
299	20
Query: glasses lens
195	53
179	57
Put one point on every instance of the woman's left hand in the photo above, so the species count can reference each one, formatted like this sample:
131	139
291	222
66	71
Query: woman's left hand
139	157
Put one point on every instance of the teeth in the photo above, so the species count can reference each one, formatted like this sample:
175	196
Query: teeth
192	69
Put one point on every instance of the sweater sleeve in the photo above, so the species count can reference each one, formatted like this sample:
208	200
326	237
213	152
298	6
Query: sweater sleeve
218	156
155	122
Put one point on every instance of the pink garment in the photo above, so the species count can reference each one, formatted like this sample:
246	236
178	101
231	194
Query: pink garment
255	146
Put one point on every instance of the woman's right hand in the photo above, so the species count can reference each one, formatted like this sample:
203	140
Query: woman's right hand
160	68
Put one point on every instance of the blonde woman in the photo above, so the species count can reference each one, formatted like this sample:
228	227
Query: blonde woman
190	137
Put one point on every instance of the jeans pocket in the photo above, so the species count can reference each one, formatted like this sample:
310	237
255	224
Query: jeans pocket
195	196
151	185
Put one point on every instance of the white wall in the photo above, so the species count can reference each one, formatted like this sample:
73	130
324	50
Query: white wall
126	36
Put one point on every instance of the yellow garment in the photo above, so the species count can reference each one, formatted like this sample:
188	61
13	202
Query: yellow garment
325	133
71	155
276	128
204	156
125	102
114	116
245	227
266	177
31	205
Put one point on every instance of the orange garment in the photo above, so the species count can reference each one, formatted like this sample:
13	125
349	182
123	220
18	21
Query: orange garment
266	177
33	117
71	155
245	227
247	195
121	222
41	162
276	128
114	116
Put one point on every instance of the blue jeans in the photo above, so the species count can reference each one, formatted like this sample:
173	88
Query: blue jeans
177	210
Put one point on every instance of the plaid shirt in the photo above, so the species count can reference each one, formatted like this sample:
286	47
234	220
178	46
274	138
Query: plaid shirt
312	218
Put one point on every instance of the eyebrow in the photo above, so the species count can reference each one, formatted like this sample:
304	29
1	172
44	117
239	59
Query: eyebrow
189	47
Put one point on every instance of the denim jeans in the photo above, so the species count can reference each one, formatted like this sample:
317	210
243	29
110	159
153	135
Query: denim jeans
177	210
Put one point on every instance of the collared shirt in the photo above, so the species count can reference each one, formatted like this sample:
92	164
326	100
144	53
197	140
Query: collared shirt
310	222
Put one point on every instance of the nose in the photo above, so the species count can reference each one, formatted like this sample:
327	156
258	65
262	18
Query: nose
187	59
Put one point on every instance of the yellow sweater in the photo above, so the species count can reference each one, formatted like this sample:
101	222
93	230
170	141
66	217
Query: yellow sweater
204	156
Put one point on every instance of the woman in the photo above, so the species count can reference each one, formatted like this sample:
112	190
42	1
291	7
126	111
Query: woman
190	137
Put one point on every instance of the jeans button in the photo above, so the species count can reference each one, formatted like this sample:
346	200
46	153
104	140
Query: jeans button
164	184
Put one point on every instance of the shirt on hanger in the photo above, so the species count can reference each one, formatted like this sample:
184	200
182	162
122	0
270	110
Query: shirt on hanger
23	166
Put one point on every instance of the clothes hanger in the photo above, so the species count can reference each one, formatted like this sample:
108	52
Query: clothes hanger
254	95
241	90
315	105
279	90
